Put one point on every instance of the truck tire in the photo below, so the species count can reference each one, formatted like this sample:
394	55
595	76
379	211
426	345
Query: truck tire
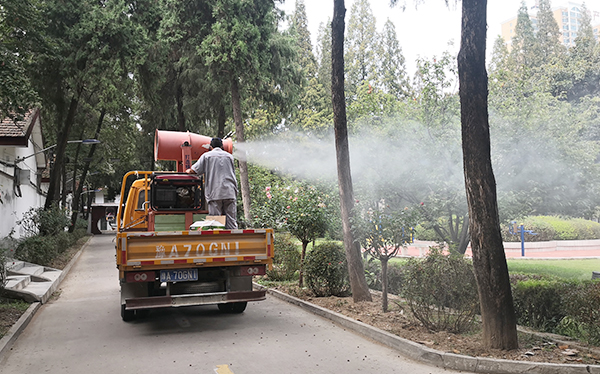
233	307
127	315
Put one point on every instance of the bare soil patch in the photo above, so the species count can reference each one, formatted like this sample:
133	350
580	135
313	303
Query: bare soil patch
533	346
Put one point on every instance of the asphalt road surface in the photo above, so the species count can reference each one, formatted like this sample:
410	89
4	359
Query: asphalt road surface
81	331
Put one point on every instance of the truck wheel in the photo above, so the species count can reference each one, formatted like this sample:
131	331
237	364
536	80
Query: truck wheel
233	307
238	307
127	315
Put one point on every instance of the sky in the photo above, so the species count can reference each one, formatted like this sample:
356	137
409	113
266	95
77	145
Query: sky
423	32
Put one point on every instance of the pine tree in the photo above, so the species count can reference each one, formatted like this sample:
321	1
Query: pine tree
585	42
361	65
299	26
393	77
548	34
324	56
524	46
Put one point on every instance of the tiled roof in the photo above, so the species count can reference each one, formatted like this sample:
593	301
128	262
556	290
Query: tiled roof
17	133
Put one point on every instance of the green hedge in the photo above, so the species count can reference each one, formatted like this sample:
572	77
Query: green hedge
570	308
554	228
286	260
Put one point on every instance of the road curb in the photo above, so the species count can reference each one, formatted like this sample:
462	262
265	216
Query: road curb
433	357
13	333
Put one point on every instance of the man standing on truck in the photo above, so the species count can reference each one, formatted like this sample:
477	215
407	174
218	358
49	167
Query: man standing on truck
219	182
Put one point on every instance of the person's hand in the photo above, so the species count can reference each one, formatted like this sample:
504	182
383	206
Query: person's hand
190	171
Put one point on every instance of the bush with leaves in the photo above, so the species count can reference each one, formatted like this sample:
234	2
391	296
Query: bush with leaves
441	292
395	275
538	303
286	261
45	236
382	232
326	270
581	305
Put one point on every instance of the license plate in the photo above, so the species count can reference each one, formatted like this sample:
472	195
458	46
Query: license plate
183	275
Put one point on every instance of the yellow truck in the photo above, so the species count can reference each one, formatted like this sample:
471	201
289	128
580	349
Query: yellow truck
169	252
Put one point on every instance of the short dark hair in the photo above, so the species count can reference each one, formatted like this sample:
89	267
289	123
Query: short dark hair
216	143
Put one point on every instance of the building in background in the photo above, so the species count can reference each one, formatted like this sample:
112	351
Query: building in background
22	164
567	16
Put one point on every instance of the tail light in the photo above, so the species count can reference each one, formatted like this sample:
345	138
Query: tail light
253	270
140	276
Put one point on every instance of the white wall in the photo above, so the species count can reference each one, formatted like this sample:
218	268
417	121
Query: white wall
13	207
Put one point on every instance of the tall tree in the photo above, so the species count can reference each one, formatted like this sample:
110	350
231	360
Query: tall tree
299	27
392	71
360	49
524	46
489	261
358	282
548	34
84	48
324	56
244	52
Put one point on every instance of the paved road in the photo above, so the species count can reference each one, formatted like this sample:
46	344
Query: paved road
81	332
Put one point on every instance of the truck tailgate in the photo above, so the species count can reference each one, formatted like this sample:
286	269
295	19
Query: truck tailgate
210	247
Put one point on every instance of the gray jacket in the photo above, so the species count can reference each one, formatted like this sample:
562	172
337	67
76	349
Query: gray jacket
219	174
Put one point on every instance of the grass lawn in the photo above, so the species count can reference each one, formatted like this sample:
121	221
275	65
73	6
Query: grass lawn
568	269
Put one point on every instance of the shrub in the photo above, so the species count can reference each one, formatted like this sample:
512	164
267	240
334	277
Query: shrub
538	303
7	249
37	249
395	276
44	222
46	237
326	270
441	291
286	260
582	307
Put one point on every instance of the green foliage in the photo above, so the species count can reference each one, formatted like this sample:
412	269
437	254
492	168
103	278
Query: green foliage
569	269
582	307
298	208
550	228
286	262
570	308
44	222
45	236
395	274
326	270
382	230
441	291
538	303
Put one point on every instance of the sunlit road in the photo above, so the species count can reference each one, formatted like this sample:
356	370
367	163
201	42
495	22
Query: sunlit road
81	332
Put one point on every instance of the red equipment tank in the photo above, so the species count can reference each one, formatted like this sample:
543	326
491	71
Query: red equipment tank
183	147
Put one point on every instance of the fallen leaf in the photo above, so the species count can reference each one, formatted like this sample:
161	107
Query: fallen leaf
570	352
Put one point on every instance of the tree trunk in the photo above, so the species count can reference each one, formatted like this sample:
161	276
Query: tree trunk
221	121
302	256
239	132
61	146
384	283
489	261
77	194
179	99
356	271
